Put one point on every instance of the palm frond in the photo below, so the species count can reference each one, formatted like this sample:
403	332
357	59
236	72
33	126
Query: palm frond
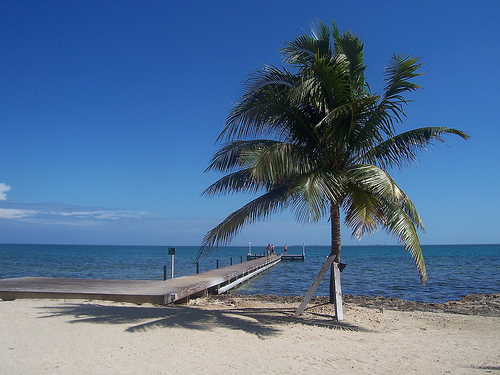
278	162
300	51
237	182
380	183
332	76
342	124
303	50
351	47
399	224
275	111
398	75
403	148
261	164
312	194
269	76
263	108
258	209
410	209
363	211
375	180
228	157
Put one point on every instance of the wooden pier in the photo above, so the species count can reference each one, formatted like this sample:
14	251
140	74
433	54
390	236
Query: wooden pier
292	257
179	290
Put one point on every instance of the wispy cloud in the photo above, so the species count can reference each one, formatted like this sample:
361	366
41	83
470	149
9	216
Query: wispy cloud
103	214
14	213
3	190
60	223
62	214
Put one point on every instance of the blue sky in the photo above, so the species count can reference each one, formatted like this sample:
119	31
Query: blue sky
109	111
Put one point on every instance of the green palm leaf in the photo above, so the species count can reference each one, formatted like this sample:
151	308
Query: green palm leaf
363	211
258	209
398	75
237	182
404	147
399	224
376	180
313	193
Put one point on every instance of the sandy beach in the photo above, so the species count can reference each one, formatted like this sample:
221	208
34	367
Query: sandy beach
252	334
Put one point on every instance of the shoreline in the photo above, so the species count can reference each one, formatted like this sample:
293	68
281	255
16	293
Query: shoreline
483	304
471	304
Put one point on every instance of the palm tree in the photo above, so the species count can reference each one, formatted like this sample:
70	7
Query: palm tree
314	139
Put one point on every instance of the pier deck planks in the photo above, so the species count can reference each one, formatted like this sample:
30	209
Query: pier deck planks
292	257
135	291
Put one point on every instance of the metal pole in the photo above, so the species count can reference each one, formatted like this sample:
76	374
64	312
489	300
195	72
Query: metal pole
217	264
197	267
172	266
171	251
249	248
231	261
164	272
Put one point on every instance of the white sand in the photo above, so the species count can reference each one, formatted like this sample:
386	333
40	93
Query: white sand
221	337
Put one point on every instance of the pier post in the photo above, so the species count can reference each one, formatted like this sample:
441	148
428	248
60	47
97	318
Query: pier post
164	272
231	261
217	264
197	267
171	251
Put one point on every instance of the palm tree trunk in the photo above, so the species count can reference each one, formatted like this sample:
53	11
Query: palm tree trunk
335	250
335	226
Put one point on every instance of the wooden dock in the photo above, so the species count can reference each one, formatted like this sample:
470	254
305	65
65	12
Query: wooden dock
292	257
179	289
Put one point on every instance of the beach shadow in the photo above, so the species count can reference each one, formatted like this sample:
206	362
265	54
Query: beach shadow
487	368
263	322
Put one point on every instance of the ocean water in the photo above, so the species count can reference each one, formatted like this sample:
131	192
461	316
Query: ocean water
453	270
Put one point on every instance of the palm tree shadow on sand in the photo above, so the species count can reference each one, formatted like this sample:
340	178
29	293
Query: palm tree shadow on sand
261	321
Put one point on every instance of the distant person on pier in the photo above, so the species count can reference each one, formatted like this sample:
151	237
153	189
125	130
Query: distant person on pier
272	249
286	249
268	249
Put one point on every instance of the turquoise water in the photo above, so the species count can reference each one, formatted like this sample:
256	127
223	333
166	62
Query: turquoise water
453	270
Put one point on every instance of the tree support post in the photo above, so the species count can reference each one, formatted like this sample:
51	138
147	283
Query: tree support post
337	291
338	294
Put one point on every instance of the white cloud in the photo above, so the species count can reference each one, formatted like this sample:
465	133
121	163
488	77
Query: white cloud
13	213
63	214
100	214
3	189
